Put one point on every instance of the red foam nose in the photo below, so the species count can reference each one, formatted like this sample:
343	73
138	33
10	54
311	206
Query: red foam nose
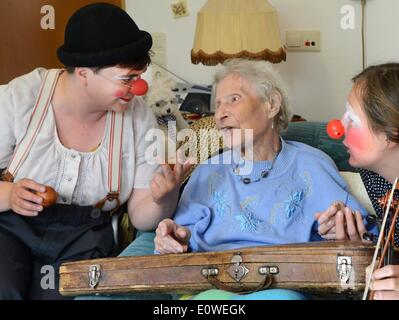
335	129
139	87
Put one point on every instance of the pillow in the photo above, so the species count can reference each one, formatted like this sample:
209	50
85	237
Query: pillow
357	189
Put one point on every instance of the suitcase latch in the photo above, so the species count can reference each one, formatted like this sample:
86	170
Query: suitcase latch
237	271
344	268
265	270
210	272
94	275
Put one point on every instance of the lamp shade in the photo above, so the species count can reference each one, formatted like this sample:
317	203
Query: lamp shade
237	29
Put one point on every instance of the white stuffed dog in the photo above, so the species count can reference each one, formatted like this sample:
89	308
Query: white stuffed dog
163	102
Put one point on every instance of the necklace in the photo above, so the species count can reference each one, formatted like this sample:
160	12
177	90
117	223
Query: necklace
263	174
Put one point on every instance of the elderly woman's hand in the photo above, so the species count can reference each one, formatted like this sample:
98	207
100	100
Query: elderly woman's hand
339	222
385	283
171	237
23	200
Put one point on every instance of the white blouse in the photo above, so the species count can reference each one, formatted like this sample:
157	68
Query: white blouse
78	177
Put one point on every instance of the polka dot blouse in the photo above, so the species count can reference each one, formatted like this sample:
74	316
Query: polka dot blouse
377	187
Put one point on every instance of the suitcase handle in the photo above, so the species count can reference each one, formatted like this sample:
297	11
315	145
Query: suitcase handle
264	284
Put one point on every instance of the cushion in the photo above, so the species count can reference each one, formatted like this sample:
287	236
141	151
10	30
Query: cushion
357	189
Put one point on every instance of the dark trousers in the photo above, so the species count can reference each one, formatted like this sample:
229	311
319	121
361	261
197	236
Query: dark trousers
32	249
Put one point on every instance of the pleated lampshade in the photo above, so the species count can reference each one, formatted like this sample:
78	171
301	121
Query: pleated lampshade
237	29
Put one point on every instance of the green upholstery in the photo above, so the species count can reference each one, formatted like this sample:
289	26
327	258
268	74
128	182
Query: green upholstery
315	135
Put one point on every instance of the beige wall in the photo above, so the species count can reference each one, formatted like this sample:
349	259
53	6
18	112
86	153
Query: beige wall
318	82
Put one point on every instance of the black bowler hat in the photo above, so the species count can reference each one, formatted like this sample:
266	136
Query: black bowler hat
102	34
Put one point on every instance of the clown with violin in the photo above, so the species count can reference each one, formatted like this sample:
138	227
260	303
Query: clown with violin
371	128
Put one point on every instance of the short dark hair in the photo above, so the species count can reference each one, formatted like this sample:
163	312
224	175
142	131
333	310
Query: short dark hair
138	64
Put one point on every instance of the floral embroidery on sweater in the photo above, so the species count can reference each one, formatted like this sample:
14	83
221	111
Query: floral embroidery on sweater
219	198
221	204
293	203
248	220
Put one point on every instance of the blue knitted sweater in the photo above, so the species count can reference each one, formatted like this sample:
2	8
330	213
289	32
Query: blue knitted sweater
224	213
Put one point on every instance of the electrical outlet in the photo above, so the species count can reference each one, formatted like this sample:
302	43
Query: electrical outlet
180	9
303	40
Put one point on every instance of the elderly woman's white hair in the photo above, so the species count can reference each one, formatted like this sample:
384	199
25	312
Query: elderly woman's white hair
265	80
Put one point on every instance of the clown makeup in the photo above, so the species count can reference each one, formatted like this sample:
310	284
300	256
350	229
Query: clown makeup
350	118
132	83
119	94
365	147
127	80
356	137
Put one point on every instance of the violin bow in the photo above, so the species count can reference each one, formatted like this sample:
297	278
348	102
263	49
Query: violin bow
380	237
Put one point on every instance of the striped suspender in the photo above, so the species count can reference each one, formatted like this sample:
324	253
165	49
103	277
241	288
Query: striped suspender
35	123
114	161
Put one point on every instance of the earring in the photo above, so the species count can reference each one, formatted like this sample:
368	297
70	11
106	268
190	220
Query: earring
272	125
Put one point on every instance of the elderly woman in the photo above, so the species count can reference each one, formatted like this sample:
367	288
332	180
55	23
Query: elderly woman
223	207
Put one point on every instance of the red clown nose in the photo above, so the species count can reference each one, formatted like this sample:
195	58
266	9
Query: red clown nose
139	87
335	129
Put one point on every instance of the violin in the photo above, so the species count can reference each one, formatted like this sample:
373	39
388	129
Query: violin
384	250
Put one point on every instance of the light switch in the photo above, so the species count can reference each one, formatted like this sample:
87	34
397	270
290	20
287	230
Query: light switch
303	40
293	39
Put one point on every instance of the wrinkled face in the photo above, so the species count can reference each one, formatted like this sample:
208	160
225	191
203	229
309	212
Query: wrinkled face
365	146
111	87
239	107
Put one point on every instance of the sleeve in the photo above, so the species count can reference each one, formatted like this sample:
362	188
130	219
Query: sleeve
333	187
193	211
17	100
143	121
7	126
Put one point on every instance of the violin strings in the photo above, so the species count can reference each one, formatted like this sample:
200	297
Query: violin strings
381	235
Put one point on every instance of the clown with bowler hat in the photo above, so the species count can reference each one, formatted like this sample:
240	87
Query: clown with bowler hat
79	131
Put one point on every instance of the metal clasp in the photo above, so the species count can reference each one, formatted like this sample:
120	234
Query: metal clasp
344	268
237	271
94	275
265	270
208	272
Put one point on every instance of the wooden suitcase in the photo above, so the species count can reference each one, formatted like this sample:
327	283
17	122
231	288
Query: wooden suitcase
319	267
